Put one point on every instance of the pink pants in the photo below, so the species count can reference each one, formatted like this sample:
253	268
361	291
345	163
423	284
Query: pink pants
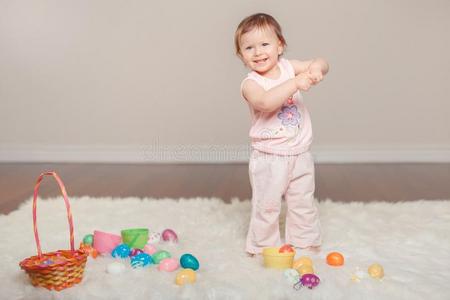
273	177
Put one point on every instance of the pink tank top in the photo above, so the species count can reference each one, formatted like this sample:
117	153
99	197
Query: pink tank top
286	131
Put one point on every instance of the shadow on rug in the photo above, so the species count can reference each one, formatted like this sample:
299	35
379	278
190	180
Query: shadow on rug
410	240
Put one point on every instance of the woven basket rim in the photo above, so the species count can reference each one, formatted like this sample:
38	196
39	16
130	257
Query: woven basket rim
71	257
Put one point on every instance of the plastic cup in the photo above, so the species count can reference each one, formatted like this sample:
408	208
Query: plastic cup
105	242
135	237
276	260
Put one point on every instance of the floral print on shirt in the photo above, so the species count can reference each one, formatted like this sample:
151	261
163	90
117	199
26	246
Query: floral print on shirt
289	116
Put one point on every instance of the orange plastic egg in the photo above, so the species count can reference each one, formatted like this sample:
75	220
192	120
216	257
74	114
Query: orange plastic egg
86	248
335	259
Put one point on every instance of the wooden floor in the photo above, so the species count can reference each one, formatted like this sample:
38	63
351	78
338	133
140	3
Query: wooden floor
340	182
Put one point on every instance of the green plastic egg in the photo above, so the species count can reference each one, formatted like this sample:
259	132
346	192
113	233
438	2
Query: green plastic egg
88	239
160	255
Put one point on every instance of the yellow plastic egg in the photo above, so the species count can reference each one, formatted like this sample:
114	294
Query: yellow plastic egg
186	276
303	260
305	269
376	271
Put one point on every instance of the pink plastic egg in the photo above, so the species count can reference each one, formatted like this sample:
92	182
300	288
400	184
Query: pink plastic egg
168	265
150	249
169	235
154	237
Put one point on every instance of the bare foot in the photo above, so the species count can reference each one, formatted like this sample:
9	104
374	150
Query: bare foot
314	248
310	250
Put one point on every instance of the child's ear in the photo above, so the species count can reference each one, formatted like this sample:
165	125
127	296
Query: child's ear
280	48
241	58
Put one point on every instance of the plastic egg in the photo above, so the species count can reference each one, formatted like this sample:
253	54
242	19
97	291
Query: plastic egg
185	276
160	255
302	260
88	239
150	249
335	259
122	250
291	275
376	271
168	265
59	259
310	280
305	269
154	237
188	261
115	268
357	275
285	249
168	235
141	260
46	262
135	252
89	250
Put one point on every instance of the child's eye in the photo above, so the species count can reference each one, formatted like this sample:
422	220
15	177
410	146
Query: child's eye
248	48
265	44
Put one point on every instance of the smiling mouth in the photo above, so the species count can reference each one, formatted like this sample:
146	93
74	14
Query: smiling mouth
261	60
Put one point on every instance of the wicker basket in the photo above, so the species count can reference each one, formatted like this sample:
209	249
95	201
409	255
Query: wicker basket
60	269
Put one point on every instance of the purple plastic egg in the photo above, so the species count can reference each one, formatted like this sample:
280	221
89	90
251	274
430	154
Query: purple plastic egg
135	252
310	280
169	235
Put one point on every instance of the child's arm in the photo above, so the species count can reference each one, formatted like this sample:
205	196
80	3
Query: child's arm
268	101
315	68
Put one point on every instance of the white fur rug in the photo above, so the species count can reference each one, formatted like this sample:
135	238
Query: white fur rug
410	240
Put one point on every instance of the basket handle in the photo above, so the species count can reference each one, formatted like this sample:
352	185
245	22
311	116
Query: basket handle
66	200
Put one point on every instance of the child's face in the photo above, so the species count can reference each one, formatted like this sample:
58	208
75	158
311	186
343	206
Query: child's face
259	49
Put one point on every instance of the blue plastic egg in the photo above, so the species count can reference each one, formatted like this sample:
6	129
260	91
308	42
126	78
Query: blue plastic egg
121	251
141	260
188	261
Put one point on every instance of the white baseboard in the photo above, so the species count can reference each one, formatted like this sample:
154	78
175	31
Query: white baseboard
126	154
211	154
419	154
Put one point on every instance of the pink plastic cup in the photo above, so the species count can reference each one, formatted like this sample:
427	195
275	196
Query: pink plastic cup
106	242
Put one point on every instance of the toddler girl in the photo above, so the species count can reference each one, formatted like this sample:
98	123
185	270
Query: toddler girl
281	164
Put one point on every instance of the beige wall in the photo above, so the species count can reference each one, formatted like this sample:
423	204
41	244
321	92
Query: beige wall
131	74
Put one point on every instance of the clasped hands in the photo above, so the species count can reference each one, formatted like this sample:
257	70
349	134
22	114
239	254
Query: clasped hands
305	80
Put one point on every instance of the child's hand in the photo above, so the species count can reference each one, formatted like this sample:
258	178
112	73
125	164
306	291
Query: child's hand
315	75
303	82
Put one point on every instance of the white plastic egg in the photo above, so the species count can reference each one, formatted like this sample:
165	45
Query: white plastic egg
115	268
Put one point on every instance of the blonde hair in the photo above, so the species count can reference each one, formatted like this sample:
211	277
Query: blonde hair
259	20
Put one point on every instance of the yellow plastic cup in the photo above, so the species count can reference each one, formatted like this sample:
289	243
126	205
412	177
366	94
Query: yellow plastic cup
135	237
274	259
